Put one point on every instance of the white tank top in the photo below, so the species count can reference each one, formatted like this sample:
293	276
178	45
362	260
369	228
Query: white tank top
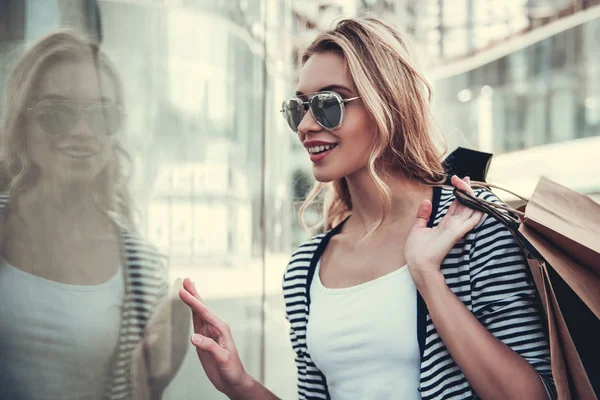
56	340
364	338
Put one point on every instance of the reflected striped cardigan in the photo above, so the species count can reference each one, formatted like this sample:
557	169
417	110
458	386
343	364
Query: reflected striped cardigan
146	282
486	270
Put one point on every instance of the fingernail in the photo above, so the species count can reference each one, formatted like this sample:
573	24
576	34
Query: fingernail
196	339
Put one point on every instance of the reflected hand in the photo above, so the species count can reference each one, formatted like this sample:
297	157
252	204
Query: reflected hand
214	345
158	356
426	248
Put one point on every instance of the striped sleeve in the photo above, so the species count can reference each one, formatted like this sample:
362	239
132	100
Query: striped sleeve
147	284
504	297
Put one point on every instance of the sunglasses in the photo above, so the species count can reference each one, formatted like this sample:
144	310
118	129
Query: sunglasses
327	108
58	117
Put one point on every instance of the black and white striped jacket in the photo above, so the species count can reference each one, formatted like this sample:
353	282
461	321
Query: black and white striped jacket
486	270
146	283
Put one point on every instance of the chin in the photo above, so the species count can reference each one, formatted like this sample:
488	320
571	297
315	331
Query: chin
335	172
324	176
79	176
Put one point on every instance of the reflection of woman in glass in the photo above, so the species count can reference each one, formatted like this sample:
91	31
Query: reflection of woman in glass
409	294
77	287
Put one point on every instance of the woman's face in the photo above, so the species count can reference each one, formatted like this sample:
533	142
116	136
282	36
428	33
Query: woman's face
68	142
353	139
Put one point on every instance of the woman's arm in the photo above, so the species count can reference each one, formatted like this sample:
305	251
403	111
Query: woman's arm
503	303
493	369
253	390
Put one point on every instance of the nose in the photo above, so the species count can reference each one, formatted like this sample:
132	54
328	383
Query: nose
307	126
81	126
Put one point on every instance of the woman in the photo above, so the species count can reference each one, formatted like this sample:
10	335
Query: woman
77	285
385	305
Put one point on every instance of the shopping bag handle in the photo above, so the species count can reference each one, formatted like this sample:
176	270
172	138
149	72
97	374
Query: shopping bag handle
469	200
506	215
486	185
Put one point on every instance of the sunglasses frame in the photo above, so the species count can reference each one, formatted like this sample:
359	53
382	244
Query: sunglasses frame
85	112
306	106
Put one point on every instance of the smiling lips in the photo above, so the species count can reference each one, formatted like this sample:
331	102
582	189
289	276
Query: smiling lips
319	150
77	151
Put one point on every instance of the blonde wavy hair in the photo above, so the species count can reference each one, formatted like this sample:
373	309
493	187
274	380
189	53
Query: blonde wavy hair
63	45
398	97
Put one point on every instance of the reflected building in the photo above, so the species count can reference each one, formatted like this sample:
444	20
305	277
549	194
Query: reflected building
212	159
210	153
194	81
201	211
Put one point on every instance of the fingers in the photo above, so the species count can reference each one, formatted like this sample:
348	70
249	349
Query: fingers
423	214
457	209
467	221
201	311
191	288
461	210
207	344
198	307
189	295
452	209
475	218
460	184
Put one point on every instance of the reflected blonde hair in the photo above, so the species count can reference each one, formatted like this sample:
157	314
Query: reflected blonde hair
397	97
63	45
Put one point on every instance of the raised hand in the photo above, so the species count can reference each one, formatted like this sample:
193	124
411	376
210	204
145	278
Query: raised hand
425	247
214	345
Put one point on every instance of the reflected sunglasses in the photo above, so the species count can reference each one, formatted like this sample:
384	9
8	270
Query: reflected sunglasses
327	108
58	117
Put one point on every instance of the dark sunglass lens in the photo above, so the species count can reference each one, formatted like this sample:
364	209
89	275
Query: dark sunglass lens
294	112
327	110
106	119
55	118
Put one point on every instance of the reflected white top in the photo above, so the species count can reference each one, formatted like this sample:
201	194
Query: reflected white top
56	340
364	338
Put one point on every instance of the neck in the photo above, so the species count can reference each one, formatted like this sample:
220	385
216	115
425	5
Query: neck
367	206
69	201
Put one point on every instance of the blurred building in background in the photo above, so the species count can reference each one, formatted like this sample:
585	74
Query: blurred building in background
531	97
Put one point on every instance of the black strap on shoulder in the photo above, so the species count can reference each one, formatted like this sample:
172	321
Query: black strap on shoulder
317	256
